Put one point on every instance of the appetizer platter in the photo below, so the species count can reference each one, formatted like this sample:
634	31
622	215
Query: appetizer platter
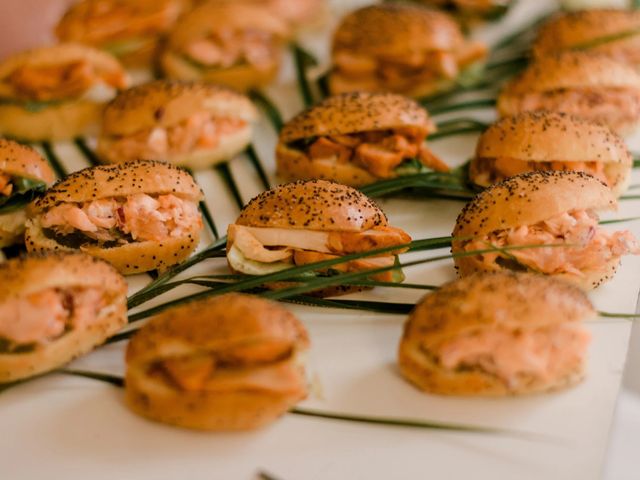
302	240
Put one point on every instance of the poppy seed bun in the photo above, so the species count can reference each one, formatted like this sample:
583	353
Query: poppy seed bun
121	180
166	104
17	160
224	327
224	16
487	303
528	199
585	29
32	274
313	205
554	137
345	114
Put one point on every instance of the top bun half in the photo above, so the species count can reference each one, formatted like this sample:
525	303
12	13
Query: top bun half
23	161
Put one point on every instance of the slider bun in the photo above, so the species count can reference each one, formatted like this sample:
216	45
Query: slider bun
313	205
407	29
215	326
23	161
487	302
528	199
552	136
31	274
576	29
152	178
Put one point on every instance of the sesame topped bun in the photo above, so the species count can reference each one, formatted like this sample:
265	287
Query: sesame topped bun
609	31
550	141
586	84
56	92
54	308
232	362
356	139
542	208
495	334
194	124
138	216
421	50
230	43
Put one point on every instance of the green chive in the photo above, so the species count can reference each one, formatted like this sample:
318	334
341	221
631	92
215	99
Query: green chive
58	168
269	108
303	60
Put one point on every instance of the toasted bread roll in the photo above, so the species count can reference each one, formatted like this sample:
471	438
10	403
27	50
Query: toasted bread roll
57	92
585	84
23	174
190	124
138	216
54	308
556	209
422	51
543	140
356	139
232	362
495	334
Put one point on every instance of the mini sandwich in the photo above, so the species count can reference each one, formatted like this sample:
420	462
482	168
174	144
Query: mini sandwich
496	334
356	139
400	48
554	212
24	174
585	84
54	308
469	10
550	141
128	29
138	216
609	31
307	222
56	93
230	43
191	124
233	362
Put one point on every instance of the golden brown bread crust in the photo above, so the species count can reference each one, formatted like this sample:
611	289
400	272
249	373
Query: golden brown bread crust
213	326
313	205
551	137
407	29
165	103
517	302
34	273
23	161
581	29
356	112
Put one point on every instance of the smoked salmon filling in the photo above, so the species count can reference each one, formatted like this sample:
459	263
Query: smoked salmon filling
589	247
402	73
199	131
255	251
111	222
381	152
27	321
264	366
228	48
494	170
516	356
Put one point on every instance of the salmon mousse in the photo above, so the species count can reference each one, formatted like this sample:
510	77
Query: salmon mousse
586	84
422	51
139	216
237	44
191	124
554	212
54	308
356	139
233	362
57	92
130	30
496	334
533	141
310	221
24	175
